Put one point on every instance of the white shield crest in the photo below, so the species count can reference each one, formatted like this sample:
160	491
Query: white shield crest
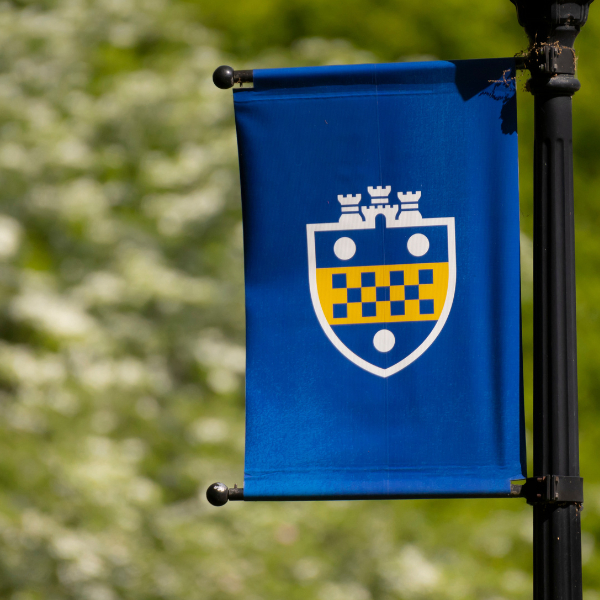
382	280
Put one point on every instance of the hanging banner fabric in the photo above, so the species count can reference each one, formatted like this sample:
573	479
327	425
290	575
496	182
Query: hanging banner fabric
381	236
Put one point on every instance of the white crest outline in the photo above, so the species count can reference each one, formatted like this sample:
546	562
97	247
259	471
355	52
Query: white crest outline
333	338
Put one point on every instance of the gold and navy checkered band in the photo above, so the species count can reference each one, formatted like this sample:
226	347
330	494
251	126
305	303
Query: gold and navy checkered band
383	294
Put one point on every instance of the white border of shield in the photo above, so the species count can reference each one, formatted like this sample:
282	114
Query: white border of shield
333	338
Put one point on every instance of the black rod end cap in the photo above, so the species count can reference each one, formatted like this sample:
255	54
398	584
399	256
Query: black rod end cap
217	494
223	77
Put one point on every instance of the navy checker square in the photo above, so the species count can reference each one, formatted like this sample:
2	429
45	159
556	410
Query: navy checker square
397	308
396	277
425	275
340	311
382	294
354	295
367	279
411	292
426	307
338	281
369	309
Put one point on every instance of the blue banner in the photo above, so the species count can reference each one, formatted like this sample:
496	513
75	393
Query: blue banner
381	234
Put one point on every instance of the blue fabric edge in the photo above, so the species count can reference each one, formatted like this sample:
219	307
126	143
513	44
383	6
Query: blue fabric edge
432	488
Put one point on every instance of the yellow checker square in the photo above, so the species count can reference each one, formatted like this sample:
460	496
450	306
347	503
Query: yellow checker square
369	294
422	300
397	292
427	292
339	296
354	312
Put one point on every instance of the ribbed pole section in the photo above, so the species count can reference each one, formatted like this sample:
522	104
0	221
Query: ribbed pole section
557	528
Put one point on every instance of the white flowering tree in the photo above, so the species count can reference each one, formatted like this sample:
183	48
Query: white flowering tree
121	352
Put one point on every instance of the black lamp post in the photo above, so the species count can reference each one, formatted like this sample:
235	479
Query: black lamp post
552	27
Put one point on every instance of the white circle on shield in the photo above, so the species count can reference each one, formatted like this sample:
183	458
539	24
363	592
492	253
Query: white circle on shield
384	340
344	248
418	244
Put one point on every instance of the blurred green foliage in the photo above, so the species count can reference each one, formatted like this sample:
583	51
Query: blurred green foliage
121	312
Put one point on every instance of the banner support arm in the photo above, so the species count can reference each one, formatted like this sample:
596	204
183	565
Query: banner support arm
226	77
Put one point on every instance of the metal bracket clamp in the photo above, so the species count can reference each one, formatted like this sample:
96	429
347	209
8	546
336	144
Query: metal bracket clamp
552	59
551	489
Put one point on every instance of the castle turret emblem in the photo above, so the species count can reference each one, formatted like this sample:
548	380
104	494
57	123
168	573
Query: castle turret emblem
382	278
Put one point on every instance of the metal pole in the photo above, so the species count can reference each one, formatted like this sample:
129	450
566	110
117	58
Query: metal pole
556	527
552	28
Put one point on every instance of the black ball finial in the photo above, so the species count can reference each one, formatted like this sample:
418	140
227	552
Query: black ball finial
217	494
223	77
